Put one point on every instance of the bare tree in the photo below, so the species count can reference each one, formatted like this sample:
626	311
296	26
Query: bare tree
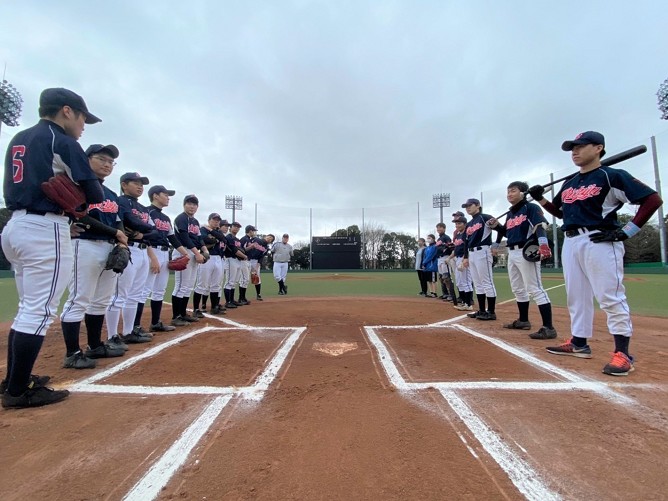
372	237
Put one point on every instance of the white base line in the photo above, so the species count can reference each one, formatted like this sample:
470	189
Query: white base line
159	390
521	474
150	485
525	478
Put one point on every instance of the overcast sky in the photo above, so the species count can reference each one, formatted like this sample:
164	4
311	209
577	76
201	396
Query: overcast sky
339	106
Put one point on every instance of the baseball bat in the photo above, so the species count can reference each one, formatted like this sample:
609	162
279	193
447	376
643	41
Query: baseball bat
614	159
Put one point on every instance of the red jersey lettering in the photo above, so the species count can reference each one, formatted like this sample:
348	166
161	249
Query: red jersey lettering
107	206
570	195
515	221
473	228
18	152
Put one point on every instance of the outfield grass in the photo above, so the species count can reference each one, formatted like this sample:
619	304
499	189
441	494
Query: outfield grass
645	292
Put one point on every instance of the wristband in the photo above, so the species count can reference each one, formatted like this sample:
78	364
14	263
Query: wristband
542	241
630	229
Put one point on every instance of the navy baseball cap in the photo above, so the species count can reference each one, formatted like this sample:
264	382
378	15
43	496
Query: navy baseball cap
158	188
97	148
250	227
224	222
238	225
459	219
64	97
215	215
134	176
589	137
191	198
470	201
458	214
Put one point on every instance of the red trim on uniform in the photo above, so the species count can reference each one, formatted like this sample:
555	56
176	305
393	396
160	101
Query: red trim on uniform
647	209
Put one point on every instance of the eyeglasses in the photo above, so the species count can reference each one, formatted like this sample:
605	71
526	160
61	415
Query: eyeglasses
105	160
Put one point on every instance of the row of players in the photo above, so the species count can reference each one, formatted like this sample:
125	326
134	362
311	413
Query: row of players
213	251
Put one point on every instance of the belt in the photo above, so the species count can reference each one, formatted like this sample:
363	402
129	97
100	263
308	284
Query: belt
579	231
471	249
518	246
108	240
161	247
43	212
141	245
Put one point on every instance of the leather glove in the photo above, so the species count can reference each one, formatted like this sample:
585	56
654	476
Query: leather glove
617	235
537	192
544	251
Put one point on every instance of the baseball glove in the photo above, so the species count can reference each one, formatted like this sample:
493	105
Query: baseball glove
179	263
67	194
255	278
118	259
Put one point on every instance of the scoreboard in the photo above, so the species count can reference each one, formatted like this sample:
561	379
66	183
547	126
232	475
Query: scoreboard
336	253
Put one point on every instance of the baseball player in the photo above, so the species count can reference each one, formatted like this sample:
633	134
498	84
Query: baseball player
259	249
91	286
160	239
234	256
42	263
462	273
189	235
444	244
478	256
282	252
593	249
523	221
210	274
129	292
247	246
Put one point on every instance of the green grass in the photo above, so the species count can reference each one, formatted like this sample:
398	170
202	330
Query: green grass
645	292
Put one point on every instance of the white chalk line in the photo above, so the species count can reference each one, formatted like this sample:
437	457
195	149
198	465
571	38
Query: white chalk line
520	473
159	474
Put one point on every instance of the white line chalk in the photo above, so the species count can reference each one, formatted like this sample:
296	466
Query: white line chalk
159	475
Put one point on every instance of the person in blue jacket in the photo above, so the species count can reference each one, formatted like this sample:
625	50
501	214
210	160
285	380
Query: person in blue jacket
430	264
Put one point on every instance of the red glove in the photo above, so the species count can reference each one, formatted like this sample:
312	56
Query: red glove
544	251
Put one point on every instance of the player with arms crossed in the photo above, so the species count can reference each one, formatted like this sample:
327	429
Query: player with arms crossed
524	219
210	274
36	240
593	252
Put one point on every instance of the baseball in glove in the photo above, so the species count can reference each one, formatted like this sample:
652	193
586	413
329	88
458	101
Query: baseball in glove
255	278
67	194
179	263
118	259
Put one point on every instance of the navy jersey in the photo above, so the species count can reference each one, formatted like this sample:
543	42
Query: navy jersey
444	244
592	199
477	231
163	233
259	249
34	156
232	245
134	215
214	240
459	241
188	231
245	244
107	212
521	221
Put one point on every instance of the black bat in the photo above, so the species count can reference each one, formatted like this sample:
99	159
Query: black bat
614	159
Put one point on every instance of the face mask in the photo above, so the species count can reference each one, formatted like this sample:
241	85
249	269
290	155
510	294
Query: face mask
430	241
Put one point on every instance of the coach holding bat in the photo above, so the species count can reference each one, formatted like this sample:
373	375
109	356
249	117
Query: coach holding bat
593	252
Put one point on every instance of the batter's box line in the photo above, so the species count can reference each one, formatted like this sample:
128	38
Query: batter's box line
252	392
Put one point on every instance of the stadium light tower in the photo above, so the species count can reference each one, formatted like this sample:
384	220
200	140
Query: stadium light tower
235	203
10	104
441	200
662	94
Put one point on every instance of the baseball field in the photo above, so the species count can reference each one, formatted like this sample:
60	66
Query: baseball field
350	387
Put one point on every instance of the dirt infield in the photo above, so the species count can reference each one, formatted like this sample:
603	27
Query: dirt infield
356	398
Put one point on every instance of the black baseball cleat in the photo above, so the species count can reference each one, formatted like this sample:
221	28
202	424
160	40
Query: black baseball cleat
244	302
198	313
104	351
474	314
34	379
259	298
285	289
34	396
230	305
189	319
217	310
486	315
179	322
160	327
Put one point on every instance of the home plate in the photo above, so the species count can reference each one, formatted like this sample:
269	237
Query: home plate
334	349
